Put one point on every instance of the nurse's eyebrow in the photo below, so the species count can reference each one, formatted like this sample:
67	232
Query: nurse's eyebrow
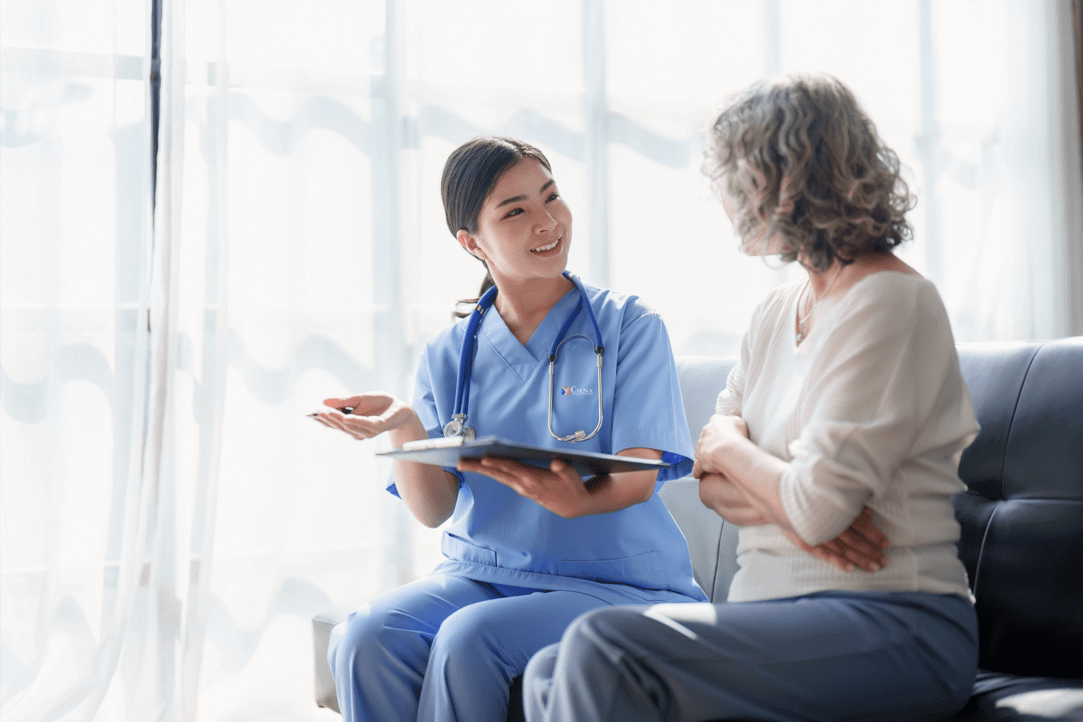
516	199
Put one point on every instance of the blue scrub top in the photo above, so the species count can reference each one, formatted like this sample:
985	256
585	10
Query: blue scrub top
635	555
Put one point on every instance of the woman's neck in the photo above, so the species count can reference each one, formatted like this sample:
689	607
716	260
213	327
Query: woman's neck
821	283
863	264
524	303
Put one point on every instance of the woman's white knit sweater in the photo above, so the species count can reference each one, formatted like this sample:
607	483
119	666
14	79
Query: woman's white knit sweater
870	410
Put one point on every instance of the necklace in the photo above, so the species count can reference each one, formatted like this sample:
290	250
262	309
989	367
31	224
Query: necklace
802	323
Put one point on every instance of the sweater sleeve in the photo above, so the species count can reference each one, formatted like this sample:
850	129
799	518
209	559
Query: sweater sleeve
885	370
730	399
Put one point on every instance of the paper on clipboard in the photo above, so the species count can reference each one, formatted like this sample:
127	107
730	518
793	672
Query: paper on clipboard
448	451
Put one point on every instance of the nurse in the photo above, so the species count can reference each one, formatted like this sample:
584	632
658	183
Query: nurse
527	549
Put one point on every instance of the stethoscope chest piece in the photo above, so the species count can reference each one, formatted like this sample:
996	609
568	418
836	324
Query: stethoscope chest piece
457	427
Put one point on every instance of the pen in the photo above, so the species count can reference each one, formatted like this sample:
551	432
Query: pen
345	410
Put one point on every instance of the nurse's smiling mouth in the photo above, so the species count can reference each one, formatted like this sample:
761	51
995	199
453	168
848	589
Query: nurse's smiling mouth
547	250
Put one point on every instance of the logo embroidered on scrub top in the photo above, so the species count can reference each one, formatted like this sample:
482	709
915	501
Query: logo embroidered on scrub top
576	391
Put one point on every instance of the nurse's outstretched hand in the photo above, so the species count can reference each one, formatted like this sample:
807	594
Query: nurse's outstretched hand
559	488
371	414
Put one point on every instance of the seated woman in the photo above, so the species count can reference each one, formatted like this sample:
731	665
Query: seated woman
846	407
528	549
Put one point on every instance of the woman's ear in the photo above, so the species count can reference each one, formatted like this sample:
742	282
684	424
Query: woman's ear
470	243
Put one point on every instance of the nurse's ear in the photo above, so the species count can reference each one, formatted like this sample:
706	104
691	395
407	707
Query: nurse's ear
470	243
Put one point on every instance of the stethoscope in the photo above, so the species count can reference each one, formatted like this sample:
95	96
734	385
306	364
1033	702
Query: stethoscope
457	426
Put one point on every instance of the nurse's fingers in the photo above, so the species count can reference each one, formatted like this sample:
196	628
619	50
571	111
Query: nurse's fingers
321	421
541	485
357	427
372	403
506	471
352	402
565	471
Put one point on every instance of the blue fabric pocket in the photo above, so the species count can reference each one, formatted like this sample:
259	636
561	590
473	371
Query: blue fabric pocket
645	570
454	547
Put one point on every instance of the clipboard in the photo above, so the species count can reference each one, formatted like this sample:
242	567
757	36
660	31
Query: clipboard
448	451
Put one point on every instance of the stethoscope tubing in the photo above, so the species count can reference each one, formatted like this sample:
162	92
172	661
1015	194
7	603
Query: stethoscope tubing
457	426
580	435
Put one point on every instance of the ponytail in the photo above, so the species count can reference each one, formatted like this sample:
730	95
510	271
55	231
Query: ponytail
465	306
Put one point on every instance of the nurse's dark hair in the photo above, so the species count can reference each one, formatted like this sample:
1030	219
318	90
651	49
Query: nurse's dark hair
803	162
470	174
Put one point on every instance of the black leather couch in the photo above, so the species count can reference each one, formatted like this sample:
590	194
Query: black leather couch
1022	527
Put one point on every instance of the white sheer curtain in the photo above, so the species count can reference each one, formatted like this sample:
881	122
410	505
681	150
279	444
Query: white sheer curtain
74	232
170	519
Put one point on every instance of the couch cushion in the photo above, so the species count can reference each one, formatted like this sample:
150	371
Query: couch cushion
1022	699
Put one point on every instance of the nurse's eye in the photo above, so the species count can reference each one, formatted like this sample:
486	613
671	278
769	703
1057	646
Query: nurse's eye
513	212
552	196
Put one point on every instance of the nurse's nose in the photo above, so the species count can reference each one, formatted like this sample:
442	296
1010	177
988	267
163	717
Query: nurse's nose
546	223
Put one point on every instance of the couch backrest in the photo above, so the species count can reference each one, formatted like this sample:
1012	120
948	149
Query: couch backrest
1022	517
711	540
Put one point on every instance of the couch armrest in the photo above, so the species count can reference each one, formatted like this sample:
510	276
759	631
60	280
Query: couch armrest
712	541
322	624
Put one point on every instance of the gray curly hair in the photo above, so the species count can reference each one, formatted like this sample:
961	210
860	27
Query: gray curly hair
805	164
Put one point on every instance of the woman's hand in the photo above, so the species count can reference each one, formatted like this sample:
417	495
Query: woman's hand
719	432
373	413
728	501
859	547
559	488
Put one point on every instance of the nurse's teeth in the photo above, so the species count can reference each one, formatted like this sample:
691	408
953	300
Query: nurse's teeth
545	248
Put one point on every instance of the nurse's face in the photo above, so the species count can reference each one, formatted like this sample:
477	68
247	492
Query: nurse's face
524	227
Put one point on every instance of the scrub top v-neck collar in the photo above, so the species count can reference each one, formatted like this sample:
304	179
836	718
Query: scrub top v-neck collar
515	354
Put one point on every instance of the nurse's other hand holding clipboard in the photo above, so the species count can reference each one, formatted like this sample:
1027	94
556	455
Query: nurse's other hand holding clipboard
562	491
370	414
559	488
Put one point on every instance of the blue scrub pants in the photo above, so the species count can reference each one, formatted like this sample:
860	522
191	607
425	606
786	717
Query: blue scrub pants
444	648
831	656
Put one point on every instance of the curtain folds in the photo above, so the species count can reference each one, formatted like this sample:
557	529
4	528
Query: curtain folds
75	213
170	520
